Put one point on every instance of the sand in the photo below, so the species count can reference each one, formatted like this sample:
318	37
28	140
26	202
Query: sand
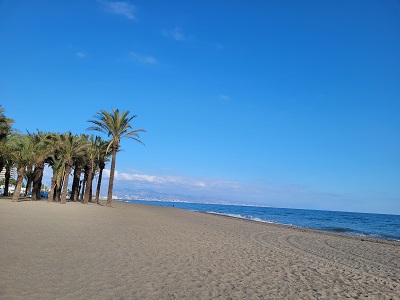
132	251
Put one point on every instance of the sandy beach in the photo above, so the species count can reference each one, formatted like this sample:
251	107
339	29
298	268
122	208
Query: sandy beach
131	251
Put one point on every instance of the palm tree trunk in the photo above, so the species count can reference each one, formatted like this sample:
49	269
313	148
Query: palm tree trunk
37	180
18	187
88	185
99	184
28	181
79	189
84	183
28	188
83	188
40	183
7	177
65	183
75	183
112	171
52	188
58	193
91	189
60	181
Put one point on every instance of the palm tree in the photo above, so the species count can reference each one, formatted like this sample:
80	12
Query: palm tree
102	157
42	151
8	164
79	164
57	165
71	147
29	178
5	131
84	181
22	149
92	154
117	126
5	124
39	153
54	160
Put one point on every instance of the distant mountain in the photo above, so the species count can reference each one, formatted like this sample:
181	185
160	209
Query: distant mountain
151	195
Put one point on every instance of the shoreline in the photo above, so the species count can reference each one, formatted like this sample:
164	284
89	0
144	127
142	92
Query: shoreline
147	252
305	229
295	227
363	236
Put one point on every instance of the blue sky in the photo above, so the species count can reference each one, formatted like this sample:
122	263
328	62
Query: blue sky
285	103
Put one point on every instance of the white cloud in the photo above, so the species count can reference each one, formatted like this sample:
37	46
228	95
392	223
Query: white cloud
144	59
176	34
80	54
161	179
142	177
123	8
266	193
173	181
224	97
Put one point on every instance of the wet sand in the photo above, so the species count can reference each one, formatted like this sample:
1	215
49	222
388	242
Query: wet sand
132	251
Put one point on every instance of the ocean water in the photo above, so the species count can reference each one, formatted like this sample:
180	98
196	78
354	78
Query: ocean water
363	224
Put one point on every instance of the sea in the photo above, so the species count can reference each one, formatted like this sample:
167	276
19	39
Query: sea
380	226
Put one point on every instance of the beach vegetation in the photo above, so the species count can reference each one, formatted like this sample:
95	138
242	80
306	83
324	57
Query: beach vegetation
42	151
103	155
91	154
8	163
64	153
71	147
5	125
116	126
79	167
21	147
5	132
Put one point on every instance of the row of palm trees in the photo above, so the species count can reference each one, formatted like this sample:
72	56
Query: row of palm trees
65	153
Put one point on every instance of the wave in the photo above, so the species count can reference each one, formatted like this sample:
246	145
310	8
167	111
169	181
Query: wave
345	230
352	231
248	217
366	225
